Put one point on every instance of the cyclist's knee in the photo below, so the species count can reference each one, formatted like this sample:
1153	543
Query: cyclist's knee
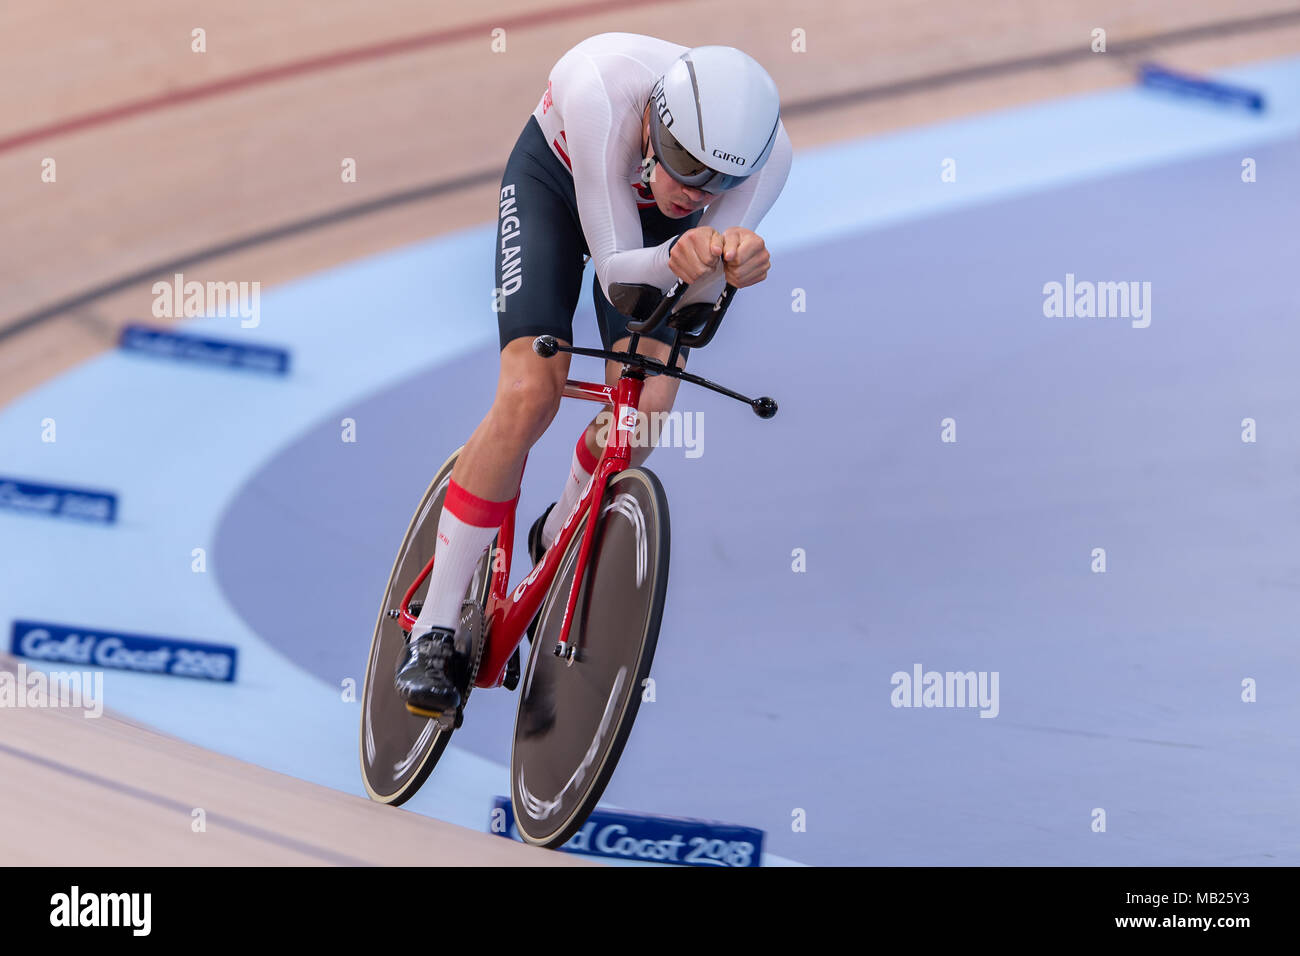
525	406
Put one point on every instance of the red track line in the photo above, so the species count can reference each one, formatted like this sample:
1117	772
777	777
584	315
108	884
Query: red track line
311	64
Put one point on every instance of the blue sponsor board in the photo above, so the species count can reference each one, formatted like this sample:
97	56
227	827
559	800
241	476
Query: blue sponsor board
193	348
650	838
1160	78
58	643
57	501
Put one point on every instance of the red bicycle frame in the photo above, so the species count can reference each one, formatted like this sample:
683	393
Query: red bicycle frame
509	613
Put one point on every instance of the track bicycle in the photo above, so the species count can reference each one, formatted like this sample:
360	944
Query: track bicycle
597	595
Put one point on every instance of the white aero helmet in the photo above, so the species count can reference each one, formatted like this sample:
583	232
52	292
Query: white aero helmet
713	118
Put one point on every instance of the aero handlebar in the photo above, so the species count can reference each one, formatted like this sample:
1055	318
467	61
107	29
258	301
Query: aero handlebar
683	320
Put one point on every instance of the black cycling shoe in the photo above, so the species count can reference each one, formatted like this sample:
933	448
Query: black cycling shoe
511	679
426	673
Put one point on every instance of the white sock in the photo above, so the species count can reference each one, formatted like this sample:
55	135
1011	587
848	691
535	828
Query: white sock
461	544
580	472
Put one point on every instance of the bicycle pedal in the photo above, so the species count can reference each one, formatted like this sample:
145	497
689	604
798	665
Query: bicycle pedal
511	680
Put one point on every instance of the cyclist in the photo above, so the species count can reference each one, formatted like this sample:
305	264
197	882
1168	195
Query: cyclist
656	162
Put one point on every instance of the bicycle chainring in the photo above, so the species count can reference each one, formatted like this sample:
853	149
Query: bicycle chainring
470	641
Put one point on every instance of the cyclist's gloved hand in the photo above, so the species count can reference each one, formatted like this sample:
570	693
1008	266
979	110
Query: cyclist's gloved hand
745	257
695	254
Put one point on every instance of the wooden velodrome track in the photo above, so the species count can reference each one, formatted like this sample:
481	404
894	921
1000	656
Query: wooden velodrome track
225	164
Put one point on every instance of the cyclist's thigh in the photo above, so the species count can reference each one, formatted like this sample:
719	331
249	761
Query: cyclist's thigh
540	246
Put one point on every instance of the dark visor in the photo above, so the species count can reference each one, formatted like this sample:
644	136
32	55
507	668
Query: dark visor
684	167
